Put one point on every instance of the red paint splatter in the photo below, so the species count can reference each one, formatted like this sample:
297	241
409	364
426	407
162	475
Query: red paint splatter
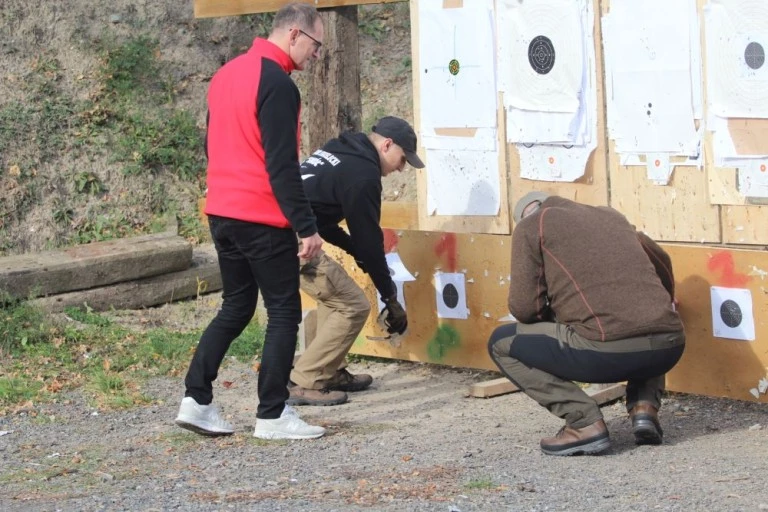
390	240
447	246
723	261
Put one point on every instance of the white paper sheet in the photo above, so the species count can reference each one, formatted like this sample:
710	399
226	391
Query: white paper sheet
553	163
658	168
484	139
457	69
737	72
540	54
397	268
732	313
462	182
400	274
649	78
451	295
753	178
400	297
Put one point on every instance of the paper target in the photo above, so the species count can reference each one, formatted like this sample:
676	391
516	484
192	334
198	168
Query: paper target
643	41
553	162
541	57
732	313
737	74
456	60
451	295
463	182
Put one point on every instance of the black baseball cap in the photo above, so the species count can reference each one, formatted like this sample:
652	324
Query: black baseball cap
401	134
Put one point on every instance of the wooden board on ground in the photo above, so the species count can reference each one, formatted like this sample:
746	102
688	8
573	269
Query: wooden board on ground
97	264
601	393
491	388
202	277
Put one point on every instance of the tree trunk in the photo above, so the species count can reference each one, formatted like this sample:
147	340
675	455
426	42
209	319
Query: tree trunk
335	105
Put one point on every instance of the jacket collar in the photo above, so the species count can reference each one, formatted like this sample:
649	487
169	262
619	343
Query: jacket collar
270	50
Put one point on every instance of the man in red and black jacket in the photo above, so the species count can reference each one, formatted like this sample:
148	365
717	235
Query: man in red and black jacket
255	203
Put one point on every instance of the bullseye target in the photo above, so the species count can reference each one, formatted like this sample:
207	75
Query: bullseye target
732	313
737	38
451	295
453	67
754	55
541	54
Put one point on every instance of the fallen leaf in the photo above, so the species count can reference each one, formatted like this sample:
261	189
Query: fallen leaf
406	458
14	170
227	384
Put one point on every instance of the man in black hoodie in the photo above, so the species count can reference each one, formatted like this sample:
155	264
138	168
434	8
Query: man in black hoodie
342	181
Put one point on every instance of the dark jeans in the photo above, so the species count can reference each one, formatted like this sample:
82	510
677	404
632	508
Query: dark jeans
543	359
252	257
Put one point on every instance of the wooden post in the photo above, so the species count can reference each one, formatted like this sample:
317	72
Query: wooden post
334	104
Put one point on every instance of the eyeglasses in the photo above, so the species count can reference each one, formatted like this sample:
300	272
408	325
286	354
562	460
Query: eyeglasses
317	43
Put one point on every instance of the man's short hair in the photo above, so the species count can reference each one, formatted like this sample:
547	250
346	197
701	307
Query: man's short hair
302	15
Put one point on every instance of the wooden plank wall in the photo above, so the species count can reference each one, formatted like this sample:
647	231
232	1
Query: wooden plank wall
710	366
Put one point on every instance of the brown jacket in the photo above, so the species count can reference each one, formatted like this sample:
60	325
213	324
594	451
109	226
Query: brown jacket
587	267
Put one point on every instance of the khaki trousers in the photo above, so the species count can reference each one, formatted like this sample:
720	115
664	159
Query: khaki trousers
543	359
342	309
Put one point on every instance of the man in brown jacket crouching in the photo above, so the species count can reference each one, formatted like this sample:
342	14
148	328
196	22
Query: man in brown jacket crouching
594	302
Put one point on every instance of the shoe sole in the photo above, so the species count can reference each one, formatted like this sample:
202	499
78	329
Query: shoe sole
592	448
304	401
350	389
200	430
275	436
646	432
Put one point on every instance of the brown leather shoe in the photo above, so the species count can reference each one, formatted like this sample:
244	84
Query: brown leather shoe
645	424
345	381
303	396
588	440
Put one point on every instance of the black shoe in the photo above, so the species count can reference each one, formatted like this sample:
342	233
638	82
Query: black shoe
645	424
345	381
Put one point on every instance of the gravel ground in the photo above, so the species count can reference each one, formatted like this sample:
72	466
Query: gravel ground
413	442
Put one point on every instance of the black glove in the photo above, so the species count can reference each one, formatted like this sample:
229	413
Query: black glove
396	320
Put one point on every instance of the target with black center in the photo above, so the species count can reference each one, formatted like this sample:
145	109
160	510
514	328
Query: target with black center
732	313
754	55
451	295
541	54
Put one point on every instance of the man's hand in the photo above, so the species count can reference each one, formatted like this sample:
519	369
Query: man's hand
310	246
396	320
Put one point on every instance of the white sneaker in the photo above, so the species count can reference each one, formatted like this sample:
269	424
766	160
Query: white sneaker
202	419
288	426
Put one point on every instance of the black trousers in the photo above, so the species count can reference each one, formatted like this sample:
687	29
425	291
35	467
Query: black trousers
252	258
543	359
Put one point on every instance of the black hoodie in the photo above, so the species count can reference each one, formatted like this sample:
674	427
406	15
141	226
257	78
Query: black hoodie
342	180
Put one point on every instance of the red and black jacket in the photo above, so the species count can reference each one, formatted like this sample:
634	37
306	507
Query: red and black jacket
253	142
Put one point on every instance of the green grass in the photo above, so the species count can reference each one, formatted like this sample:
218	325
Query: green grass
109	362
480	484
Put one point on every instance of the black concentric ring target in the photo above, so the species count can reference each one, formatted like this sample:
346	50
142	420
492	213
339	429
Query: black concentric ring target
541	55
730	312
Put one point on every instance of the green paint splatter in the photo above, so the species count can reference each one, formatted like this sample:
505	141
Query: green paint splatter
446	338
